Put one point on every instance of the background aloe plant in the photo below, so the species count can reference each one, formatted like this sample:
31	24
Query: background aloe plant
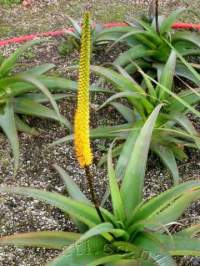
99	36
24	93
135	231
151	45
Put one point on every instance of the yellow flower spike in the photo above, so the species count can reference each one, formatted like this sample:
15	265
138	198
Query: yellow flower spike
82	115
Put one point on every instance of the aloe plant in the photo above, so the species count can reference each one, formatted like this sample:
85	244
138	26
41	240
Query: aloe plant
150	44
135	232
99	36
24	93
173	131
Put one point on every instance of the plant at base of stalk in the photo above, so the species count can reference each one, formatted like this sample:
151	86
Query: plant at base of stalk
134	232
173	130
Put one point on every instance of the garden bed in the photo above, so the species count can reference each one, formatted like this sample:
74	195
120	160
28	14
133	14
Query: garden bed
37	157
22	215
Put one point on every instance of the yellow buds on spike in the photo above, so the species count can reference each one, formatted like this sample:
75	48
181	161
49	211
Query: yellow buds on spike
82	115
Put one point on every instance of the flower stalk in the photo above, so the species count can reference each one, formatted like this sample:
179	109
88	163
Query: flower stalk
92	193
156	16
82	116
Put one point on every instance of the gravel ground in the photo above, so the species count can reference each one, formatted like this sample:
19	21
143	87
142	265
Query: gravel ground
22	215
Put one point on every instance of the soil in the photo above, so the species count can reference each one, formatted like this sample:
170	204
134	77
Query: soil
20	214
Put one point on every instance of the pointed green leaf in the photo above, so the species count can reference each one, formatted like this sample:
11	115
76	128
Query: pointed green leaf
10	62
117	204
61	140
133	181
156	204
167	76
103	229
72	188
141	256
168	158
113	259
54	84
43	89
125	94
184	247
175	210
132	68
28	107
167	23
186	36
7	123
39	70
124	84
74	35
120	131
187	96
83	253
131	33
182	71
112	34
41	98
177	98
138	51
132	54
83	212
77	28
179	153
74	192
157	250
127	149
97	230
188	126
44	239
149	86
126	112
188	65
176	245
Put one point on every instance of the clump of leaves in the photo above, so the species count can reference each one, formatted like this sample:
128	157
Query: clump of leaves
173	130
134	232
151	44
99	36
23	93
